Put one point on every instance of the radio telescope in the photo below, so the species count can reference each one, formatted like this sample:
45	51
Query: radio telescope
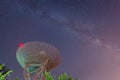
36	58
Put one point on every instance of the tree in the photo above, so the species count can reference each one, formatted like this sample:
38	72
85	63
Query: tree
4	72
63	76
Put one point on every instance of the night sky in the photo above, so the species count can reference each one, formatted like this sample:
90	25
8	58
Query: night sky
86	32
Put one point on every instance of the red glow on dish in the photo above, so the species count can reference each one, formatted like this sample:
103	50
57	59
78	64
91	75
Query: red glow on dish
21	45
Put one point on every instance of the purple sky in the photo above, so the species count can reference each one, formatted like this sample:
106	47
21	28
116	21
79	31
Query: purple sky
85	31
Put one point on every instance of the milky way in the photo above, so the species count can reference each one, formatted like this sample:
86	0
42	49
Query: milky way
85	31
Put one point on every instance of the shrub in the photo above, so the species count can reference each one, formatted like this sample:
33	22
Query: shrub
63	76
4	72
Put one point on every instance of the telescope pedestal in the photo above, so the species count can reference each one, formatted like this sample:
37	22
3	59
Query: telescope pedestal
38	73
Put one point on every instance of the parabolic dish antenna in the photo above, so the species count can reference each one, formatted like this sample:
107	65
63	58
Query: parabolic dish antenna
36	57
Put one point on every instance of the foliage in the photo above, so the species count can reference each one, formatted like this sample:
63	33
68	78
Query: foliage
4	72
63	76
16	78
49	76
